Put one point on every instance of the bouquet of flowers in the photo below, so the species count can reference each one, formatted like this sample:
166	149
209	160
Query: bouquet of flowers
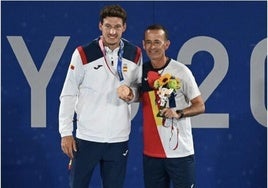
166	86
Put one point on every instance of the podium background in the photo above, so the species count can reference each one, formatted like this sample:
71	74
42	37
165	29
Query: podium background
230	141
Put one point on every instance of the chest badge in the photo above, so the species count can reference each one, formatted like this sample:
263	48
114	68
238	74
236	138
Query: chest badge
125	68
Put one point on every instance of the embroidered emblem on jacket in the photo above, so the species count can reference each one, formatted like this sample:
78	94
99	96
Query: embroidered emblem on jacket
97	67
125	68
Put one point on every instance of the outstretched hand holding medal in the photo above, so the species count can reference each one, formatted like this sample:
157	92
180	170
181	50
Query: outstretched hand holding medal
125	93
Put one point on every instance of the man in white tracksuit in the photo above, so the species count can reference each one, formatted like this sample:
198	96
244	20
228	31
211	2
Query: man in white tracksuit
102	80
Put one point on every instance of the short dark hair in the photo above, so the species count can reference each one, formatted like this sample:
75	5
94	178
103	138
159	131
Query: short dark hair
158	27
113	11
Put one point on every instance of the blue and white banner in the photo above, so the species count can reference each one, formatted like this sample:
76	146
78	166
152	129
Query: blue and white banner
224	43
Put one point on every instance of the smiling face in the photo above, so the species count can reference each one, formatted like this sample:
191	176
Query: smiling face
112	29
155	44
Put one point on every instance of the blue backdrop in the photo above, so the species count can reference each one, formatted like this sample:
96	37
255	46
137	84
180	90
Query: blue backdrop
223	43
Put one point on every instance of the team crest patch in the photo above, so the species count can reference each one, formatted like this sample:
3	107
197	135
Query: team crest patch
125	68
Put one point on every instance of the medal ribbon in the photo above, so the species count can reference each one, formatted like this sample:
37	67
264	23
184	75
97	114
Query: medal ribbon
120	57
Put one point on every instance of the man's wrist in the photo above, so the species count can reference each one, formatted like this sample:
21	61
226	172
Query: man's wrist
180	113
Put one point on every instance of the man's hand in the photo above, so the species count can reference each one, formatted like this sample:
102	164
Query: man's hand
68	145
125	93
169	113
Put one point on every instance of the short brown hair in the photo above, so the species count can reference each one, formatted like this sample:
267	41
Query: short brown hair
113	11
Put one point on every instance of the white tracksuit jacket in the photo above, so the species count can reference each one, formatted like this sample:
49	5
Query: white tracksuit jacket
90	91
